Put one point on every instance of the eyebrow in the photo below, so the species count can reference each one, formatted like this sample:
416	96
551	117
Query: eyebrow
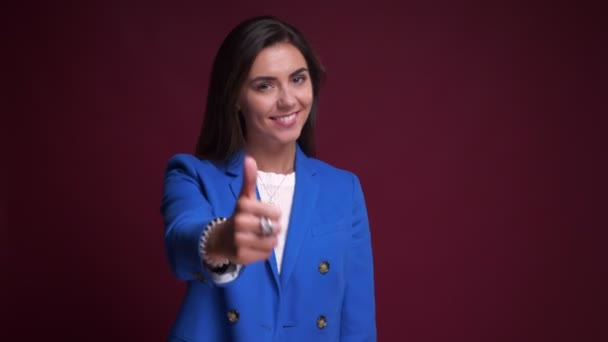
272	78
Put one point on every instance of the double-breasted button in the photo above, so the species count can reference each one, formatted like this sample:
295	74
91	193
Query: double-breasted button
321	322
233	316
324	267
200	277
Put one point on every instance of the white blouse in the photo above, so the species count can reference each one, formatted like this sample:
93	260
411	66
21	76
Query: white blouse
277	189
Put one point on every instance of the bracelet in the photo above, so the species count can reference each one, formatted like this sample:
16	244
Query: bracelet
212	263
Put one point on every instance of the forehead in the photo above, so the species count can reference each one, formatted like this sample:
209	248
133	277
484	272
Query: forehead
277	60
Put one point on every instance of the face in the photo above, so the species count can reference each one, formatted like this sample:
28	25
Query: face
276	98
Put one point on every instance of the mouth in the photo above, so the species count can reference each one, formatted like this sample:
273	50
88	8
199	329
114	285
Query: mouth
285	119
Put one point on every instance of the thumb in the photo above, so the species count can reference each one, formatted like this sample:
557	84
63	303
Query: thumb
250	175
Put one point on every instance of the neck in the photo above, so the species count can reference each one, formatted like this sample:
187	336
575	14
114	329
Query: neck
278	159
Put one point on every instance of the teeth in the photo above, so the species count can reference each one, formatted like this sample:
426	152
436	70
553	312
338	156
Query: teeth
287	118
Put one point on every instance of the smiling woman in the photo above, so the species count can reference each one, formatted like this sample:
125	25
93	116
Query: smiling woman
243	215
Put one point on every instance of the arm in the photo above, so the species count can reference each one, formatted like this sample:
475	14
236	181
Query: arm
186	212
358	310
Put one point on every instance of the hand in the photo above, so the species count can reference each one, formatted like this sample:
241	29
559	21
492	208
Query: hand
240	238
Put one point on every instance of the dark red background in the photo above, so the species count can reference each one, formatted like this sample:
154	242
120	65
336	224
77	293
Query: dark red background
474	128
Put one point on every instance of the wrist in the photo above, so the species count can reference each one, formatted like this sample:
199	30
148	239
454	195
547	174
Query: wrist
211	244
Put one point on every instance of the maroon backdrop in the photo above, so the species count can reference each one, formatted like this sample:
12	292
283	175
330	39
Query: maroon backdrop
471	127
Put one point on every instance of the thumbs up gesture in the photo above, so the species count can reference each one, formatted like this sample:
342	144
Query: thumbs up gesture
241	239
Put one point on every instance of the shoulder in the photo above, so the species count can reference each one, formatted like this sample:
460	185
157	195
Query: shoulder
334	175
338	186
327	168
191	164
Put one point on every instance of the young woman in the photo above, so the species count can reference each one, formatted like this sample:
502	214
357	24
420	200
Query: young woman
273	244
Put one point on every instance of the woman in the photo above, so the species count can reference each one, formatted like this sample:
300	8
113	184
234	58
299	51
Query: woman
273	244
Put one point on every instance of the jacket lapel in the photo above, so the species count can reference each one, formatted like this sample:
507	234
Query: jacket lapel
304	201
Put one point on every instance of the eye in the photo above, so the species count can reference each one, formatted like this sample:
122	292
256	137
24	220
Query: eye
265	86
299	79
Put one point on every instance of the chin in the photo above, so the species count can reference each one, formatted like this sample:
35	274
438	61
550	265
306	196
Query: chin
286	140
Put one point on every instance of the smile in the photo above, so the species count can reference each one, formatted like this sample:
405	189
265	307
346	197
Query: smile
285	120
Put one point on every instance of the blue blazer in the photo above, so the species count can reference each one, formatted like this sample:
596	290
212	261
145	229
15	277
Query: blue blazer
325	291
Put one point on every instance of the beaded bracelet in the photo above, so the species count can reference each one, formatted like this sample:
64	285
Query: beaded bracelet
213	264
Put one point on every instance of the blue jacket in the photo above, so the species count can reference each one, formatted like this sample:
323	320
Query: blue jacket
325	291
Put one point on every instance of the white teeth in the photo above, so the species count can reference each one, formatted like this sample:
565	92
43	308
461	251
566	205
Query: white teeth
287	118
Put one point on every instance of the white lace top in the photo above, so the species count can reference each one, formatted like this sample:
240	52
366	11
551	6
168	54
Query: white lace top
278	189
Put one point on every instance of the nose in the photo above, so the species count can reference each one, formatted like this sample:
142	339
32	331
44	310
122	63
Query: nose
286	99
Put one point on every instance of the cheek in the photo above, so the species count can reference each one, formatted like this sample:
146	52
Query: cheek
306	97
258	105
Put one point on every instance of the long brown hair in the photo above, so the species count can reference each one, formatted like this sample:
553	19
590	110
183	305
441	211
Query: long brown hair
223	129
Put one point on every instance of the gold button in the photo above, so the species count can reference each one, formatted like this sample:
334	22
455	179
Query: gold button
324	267
200	277
233	316
321	322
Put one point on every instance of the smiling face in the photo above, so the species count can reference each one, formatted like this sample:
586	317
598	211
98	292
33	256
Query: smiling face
276	97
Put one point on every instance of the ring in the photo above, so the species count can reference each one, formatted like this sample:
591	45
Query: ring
267	226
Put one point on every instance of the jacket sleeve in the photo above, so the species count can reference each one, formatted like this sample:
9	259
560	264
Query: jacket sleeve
359	308
186	212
